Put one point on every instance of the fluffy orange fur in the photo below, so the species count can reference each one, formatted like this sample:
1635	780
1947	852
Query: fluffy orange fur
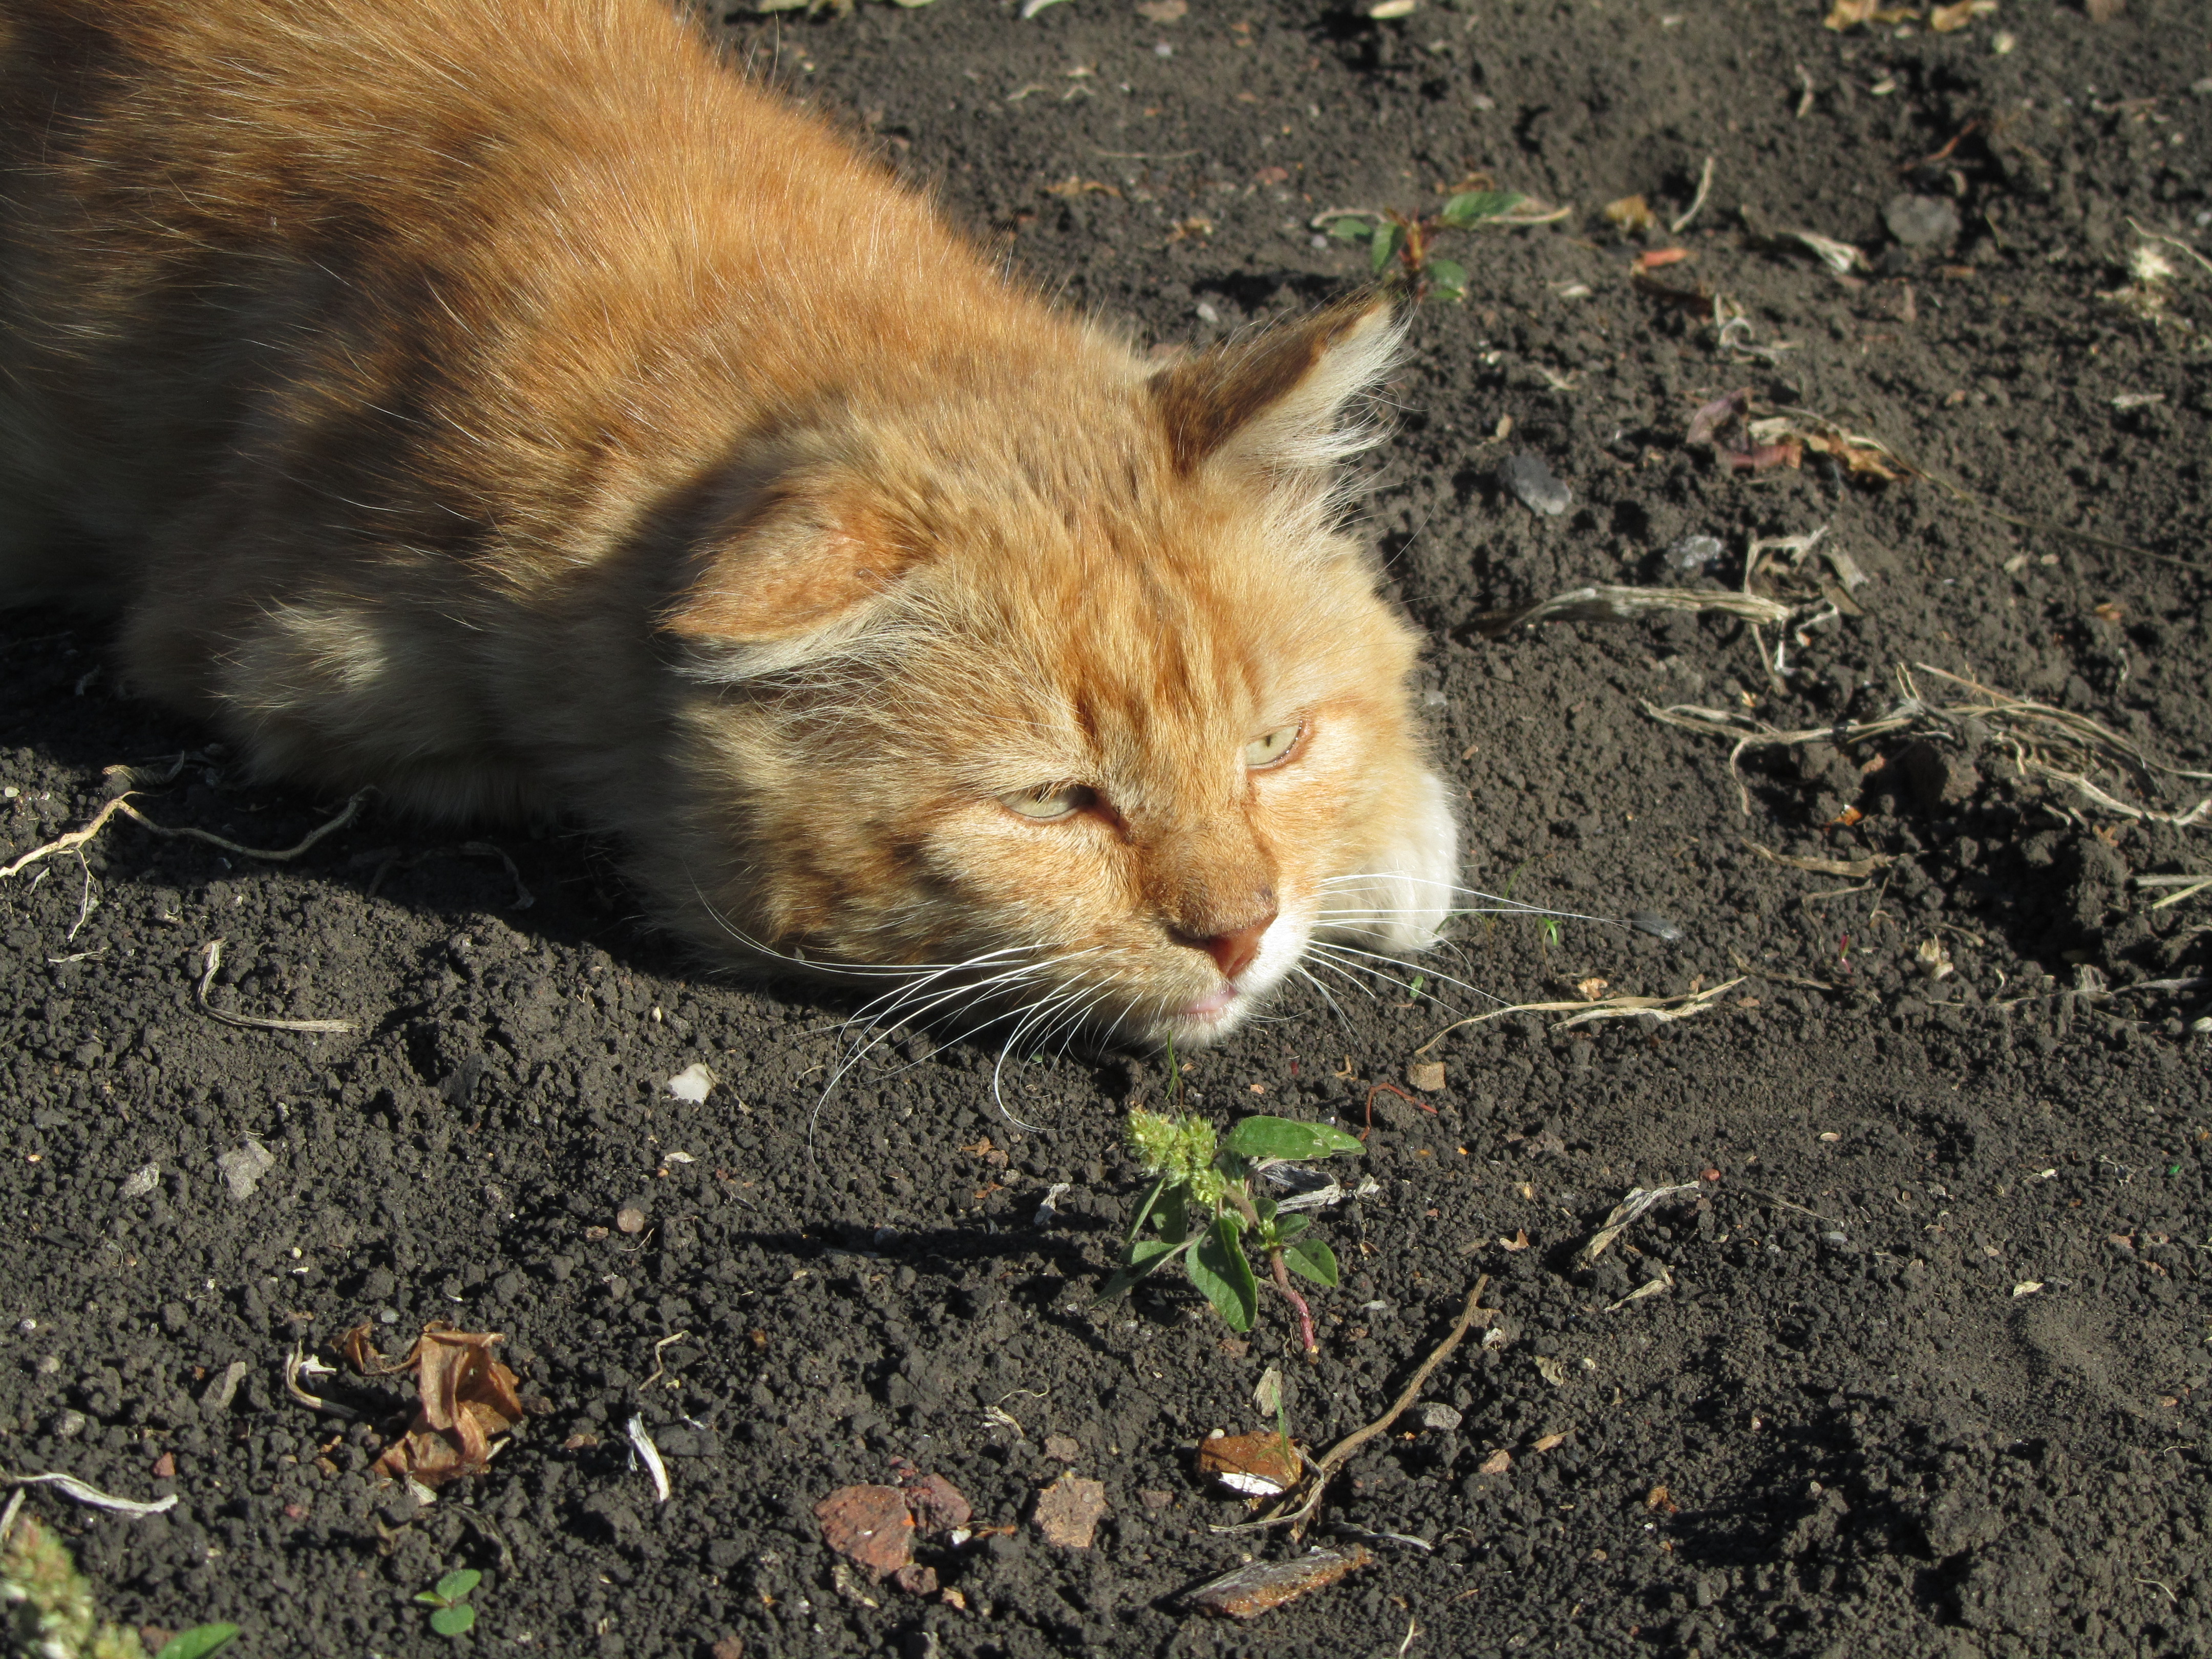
516	409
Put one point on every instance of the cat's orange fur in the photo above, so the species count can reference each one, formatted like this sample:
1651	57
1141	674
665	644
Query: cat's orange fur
511	407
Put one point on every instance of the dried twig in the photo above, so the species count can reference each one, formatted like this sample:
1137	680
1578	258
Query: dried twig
2053	744
1638	1202
294	1362
212	956
1663	1010
76	838
1697	202
1319	1472
70	1485
1602	604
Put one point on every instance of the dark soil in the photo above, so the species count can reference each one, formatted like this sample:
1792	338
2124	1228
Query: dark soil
1875	1434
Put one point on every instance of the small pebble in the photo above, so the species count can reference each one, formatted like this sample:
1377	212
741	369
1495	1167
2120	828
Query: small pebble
629	1219
1527	476
67	1425
1206	313
1920	221
1693	555
1163	49
1438	1416
244	1168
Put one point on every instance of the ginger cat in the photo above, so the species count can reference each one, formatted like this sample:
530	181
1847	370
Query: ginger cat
514	408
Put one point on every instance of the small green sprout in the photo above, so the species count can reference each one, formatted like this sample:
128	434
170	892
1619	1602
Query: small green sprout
1392	237
1205	1211
198	1643
452	1615
47	1607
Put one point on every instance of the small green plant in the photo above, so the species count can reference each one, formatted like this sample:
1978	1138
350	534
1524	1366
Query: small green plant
1392	238
451	1614
47	1608
1204	1209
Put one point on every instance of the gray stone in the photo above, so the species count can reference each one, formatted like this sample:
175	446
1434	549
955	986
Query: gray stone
1920	221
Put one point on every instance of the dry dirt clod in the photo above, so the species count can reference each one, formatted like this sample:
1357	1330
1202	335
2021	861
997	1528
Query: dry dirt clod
1068	1511
870	1526
938	1507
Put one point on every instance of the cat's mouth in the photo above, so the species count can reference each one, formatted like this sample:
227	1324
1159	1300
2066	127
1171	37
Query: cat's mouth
1213	1006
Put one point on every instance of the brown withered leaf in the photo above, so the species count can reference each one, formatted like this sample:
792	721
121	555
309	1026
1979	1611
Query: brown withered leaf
465	1402
1631	214
1251	1590
1944	19
1257	1465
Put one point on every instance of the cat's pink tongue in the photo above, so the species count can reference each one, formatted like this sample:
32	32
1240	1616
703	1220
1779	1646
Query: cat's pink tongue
1211	1003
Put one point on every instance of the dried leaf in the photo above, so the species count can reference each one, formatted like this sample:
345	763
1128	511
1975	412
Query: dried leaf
1544	1443
1252	1591
1631	214
464	1400
1497	1463
1659	1501
1256	1465
1659	258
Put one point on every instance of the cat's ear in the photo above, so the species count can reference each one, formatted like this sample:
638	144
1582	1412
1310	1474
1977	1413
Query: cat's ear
802	562
1281	400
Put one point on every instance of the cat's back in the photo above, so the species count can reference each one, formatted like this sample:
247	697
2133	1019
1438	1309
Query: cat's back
445	250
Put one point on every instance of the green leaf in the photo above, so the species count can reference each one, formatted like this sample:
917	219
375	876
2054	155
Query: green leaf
1383	244
456	1584
1449	278
1287	1138
1352	230
1144	1210
1311	1259
1291	1226
1174	1215
453	1622
199	1640
1476	205
1144	1256
1222	1274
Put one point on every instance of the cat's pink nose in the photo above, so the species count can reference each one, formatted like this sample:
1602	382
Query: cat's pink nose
1232	951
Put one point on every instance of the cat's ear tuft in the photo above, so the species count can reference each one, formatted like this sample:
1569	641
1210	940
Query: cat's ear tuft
1281	401
796	563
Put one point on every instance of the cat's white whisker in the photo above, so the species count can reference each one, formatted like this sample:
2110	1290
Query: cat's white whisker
1418	968
1334	1008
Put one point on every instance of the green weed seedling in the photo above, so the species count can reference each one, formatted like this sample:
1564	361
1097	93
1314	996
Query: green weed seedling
1204	1210
1395	239
451	1614
47	1607
198	1643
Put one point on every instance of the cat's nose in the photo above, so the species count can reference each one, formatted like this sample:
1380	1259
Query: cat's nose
1232	951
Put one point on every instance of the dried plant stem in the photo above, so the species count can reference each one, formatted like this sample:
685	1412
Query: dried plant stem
77	838
1282	1271
1320	1471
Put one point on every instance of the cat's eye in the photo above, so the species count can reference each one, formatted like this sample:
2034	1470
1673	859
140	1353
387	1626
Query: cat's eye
1274	749
1046	801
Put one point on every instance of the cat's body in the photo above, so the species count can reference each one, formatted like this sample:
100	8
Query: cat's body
512	409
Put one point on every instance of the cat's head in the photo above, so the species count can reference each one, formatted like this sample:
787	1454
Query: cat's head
1062	698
